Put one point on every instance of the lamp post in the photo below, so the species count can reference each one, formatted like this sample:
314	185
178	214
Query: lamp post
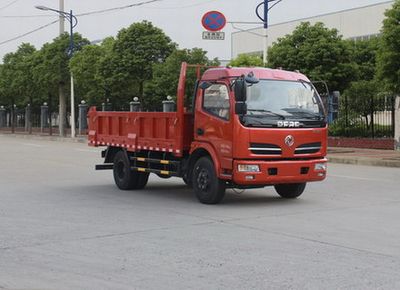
264	19
73	21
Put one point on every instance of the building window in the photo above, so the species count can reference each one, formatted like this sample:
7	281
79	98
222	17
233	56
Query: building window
365	37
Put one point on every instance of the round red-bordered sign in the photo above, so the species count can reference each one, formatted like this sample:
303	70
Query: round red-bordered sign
213	21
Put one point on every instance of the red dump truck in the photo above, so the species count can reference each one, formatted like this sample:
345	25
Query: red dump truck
247	128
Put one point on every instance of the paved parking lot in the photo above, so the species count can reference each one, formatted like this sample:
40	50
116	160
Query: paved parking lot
65	226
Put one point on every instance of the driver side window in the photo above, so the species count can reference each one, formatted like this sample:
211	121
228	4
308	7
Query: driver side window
216	101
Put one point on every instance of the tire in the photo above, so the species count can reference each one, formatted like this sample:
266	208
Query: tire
143	178
124	177
187	182
290	190
207	187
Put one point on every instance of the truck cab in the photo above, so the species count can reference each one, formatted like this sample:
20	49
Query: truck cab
264	126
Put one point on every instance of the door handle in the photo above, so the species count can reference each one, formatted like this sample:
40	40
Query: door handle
200	131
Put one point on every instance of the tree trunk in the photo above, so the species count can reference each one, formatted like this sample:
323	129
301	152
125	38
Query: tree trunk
62	110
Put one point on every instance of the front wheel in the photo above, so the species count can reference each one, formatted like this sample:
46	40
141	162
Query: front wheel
293	190
208	188
187	181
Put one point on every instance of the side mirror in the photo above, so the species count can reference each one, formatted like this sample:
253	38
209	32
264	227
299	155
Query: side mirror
241	108
240	90
205	85
251	79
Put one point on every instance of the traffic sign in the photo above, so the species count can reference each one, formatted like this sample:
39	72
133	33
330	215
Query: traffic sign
213	35
213	21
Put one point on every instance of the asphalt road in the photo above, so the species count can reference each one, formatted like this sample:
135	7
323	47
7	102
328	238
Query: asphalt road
65	226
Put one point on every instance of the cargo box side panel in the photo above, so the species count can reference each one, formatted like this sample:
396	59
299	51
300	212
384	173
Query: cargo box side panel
157	132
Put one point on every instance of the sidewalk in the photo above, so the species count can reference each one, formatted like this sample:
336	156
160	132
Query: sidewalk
370	157
46	137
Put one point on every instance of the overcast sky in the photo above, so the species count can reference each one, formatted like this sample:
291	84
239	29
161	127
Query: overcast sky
180	19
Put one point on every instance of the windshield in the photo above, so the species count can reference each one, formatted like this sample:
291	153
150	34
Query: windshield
293	100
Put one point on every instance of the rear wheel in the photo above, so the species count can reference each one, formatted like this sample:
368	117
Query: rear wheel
143	178
290	190
124	177
208	188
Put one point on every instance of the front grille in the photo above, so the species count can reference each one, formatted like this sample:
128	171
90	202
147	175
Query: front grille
308	148
265	149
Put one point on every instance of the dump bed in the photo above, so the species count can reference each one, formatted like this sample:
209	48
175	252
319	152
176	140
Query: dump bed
155	131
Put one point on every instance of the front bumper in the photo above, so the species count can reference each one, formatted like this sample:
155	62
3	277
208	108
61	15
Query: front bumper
276	172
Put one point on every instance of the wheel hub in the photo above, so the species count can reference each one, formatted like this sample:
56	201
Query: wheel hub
203	180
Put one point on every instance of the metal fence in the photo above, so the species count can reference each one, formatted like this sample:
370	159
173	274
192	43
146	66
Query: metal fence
31	120
372	118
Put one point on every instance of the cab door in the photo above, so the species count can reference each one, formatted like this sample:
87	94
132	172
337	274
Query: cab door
213	121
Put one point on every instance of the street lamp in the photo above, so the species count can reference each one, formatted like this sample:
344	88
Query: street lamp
73	21
264	19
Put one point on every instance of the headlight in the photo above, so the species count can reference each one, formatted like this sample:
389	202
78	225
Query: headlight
320	167
248	168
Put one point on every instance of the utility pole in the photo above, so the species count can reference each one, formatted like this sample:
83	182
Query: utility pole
73	21
62	101
62	27
71	53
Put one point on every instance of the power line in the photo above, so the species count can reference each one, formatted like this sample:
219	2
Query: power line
27	16
114	9
9	4
118	8
83	14
181	7
90	12
29	32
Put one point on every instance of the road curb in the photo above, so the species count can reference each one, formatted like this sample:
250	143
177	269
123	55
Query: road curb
47	138
364	161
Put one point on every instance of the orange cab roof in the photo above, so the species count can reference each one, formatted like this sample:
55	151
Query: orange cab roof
259	72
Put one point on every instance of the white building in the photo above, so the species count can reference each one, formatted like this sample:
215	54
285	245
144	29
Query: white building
358	23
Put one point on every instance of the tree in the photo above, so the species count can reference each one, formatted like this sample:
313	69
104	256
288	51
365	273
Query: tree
389	52
17	76
51	70
52	67
87	66
246	60
360	97
135	51
166	76
364	54
318	52
2	94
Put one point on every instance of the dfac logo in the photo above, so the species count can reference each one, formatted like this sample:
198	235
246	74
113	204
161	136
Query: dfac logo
287	124
289	140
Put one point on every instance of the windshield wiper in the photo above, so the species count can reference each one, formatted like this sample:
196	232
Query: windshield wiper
265	111
304	114
257	122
